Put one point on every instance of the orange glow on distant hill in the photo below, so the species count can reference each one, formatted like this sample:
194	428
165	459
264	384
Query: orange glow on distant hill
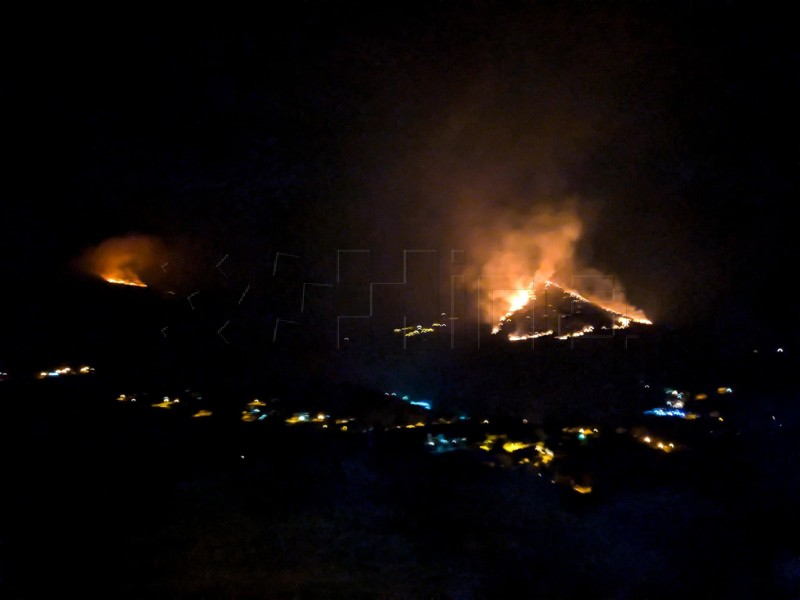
122	260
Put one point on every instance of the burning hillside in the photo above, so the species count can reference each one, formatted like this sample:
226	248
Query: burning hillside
123	260
551	310
522	258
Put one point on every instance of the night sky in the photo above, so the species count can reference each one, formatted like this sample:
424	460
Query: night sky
668	130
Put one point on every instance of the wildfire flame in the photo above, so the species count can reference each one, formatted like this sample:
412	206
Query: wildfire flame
520	300
520	253
625	314
132	280
121	260
622	321
586	329
529	336
517	301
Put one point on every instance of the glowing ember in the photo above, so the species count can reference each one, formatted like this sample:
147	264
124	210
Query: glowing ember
586	329
135	282
624	318
622	323
529	336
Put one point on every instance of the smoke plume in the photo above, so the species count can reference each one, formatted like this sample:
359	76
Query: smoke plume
123	260
517	252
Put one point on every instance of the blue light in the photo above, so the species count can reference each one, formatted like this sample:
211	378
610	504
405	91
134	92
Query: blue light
405	397
423	403
439	443
581	436
660	412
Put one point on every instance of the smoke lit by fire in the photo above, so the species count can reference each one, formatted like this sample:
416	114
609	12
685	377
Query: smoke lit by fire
123	260
541	250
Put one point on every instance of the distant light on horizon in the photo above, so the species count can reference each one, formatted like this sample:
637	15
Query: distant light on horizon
423	403
661	412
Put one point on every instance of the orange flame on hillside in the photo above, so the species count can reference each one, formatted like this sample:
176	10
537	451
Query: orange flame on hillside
133	280
122	260
541	249
518	300
616	305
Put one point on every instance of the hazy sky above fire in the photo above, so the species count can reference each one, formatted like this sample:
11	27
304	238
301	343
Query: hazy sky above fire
643	142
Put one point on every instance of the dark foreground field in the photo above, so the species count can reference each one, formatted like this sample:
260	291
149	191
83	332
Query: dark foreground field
102	501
